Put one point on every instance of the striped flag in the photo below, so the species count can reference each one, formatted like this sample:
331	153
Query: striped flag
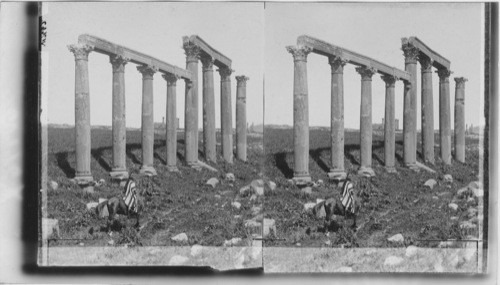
130	196
348	196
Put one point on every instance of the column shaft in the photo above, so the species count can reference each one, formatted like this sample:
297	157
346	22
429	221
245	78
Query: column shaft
147	120
191	106
337	171
171	132
366	130
410	108
209	142
460	119
82	113
119	168
241	118
444	116
389	124
226	114
427	111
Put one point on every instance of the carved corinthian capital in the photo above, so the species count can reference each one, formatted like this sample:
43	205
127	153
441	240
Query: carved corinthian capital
337	63
389	80
191	50
207	63
366	72
299	52
444	74
170	78
225	73
147	71
241	80
426	64
81	51
460	81
118	62
410	51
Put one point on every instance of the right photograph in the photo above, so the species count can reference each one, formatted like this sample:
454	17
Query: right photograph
374	137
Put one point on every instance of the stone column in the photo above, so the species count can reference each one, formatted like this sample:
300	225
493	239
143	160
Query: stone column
82	113
191	106
226	114
337	171
427	110
460	119
209	142
147	120
444	115
389	121
411	54
366	120
171	132
300	114
241	117
119	168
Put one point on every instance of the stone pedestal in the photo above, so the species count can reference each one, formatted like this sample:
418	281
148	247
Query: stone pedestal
366	121
337	171
171	121
226	114
119	167
241	117
82	113
209	142
300	114
147	120
191	106
411	54
444	115
427	110
460	119
389	127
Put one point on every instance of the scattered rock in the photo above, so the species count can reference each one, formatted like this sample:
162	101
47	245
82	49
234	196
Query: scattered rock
471	212
344	269
102	209
233	241
435	197
475	185
230	177
309	206
319	210
306	190
237	216
92	205
431	183
111	242
328	242
448	178
245	190
269	226
445	194
320	182
236	205
453	206
255	210
397	238
393	261
463	192
254	227
88	189
471	200
180	237
217	196
178	260
196	250
454	218
212	182
257	187
411	251
271	185
54	185
253	198
102	200
50	226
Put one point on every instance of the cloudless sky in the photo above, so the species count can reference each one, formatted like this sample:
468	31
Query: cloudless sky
156	29
454	30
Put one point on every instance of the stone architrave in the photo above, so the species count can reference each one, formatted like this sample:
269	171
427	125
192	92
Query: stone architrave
337	170
460	119
192	52
171	122
389	124
411	54
241	117
209	142
226	114
444	115
300	114
366	130
82	112
119	168
427	110
147	120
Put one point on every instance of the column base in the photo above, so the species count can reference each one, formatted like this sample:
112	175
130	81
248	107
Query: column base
301	180
172	168
413	166
148	170
119	174
366	171
194	165
337	175
83	178
391	169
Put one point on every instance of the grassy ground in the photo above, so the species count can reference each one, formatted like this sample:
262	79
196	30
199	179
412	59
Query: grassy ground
389	203
174	202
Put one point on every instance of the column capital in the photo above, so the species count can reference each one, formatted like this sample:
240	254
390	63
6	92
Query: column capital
366	72
170	78
299	52
81	51
337	63
118	62
147	71
444	74
241	80
410	52
189	83
191	51
460	81
225	73
426	64
207	62
389	80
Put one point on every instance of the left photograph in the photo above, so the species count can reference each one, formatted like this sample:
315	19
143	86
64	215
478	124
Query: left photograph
152	145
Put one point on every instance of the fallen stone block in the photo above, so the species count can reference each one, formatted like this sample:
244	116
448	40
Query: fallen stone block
91	206
271	185
54	185
230	177
182	237
453	206
245	190
431	183
236	205
212	182
448	178
309	206
397	238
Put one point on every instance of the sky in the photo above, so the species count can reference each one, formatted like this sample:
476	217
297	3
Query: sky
454	30
156	29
